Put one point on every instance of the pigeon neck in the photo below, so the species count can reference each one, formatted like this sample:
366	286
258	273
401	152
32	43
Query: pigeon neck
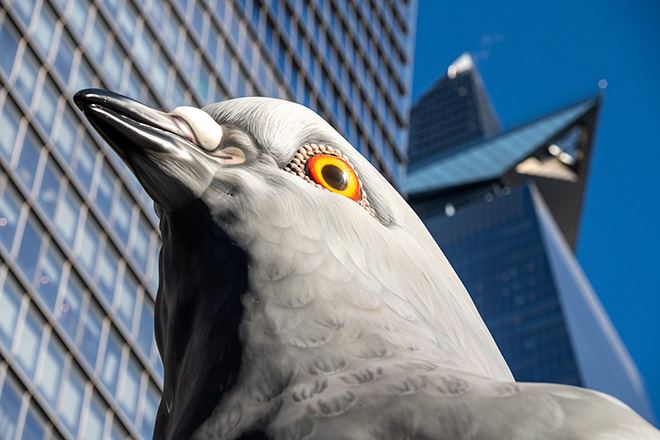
198	312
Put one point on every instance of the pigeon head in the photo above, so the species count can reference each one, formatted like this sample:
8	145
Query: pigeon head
285	254
270	170
179	155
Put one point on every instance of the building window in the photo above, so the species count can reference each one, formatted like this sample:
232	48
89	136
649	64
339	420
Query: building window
29	341
113	64
95	418
111	361
69	313
84	77
91	337
107	271
118	432
71	399
10	303
48	281
10	206
65	139
35	422
145	47
9	39
30	248
50	187
66	216
9	120
29	159
125	301
10	407
51	373
105	189
64	58
150	409
145	334
45	29
78	17
121	221
128	395
128	21
88	244
85	160
160	74
140	249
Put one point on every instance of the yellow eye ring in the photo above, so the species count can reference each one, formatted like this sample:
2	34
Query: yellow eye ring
335	174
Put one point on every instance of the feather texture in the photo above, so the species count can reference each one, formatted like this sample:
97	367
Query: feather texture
287	311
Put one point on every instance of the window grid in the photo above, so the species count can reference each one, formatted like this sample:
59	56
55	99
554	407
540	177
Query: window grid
119	167
69	181
35	209
31	305
65	166
85	62
35	212
391	163
370	36
220	28
310	97
56	46
8	362
373	74
387	167
32	418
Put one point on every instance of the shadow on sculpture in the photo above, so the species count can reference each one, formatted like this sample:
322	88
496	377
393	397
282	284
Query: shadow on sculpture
300	296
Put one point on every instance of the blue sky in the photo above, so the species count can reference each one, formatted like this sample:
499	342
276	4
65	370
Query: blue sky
536	57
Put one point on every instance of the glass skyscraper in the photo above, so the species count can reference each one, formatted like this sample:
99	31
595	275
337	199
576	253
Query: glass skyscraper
505	209
78	237
455	110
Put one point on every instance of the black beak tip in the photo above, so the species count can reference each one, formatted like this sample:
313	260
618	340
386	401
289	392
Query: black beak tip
86	97
82	97
79	101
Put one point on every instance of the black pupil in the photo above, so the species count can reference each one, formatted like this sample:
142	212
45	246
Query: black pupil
335	177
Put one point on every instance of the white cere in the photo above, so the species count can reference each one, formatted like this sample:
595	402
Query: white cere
206	131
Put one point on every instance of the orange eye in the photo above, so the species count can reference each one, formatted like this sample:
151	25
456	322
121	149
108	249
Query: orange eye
334	174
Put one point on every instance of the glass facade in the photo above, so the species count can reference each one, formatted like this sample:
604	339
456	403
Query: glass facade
498	251
454	111
505	210
78	238
533	296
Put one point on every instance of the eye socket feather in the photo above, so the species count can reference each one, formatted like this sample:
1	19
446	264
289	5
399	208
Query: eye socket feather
335	174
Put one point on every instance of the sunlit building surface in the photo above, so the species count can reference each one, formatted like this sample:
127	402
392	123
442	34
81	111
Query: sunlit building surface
505	209
455	110
78	237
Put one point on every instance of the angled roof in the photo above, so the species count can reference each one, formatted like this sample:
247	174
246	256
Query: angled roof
487	160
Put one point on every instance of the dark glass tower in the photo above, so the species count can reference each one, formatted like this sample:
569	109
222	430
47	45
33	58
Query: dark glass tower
455	110
505	210
78	236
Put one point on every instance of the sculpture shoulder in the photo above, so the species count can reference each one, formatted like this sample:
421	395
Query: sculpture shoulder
450	405
400	399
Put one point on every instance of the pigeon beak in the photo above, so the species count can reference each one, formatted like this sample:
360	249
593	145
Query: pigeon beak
152	143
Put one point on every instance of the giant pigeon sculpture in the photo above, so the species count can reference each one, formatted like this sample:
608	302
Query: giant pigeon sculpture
300	297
